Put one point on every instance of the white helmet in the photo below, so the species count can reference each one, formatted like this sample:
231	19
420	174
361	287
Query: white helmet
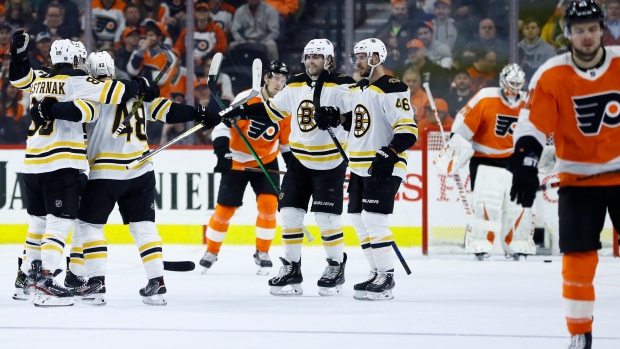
369	47
511	81
100	64
63	52
82	54
318	47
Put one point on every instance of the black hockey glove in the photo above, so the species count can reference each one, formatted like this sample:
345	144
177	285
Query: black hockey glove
383	164
19	44
327	117
207	116
234	115
223	153
41	112
147	89
524	167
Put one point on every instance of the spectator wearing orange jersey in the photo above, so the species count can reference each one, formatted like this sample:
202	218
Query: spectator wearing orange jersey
5	37
107	19
430	120
154	9
482	72
149	59
222	14
132	18
11	97
418	98
129	42
208	36
40	58
286	8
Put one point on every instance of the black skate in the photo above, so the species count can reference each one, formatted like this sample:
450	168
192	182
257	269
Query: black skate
207	261
20	280
49	294
290	275
581	341
381	288
330	284
263	262
154	293
31	278
360	289
73	281
92	292
482	255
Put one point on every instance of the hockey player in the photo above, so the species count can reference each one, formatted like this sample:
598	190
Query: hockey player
382	129
484	128
267	139
133	189
55	158
574	97
315	170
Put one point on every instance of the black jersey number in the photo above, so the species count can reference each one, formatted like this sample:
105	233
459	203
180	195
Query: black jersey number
45	130
403	103
92	80
139	126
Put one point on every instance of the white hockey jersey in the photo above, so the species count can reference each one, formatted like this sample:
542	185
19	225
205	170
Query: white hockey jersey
107	157
314	148
60	144
380	111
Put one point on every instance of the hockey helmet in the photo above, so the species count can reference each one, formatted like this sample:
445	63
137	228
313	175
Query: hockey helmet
582	11
63	52
369	47
82	54
100	64
278	68
318	47
511	81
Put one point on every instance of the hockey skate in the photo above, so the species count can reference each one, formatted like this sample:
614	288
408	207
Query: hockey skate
49	294
330	284
381	288
31	278
20	280
581	341
207	261
482	255
290	275
73	281
360	289
154	293
92	292
263	263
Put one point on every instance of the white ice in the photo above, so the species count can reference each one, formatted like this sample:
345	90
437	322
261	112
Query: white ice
447	302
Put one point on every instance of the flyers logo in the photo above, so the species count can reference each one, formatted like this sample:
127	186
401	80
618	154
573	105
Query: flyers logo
504	125
595	111
267	130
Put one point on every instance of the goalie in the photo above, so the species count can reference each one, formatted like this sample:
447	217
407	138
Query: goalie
482	135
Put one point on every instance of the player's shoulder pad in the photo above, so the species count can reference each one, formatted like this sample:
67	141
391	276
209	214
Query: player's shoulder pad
390	84
340	79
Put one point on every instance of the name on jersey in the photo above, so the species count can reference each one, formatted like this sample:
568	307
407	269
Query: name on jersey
48	87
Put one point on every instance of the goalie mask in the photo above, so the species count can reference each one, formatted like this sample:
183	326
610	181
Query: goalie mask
64	52
511	81
82	55
370	47
100	64
322	47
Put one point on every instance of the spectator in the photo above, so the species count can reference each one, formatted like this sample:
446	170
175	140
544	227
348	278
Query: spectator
539	10
19	14
222	14
10	97
430	72
553	31
535	50
467	15
154	9
487	38
4	73
445	30
70	17
2	14
55	23
208	36
5	37
444	116
129	42
178	80
482	72
286	8
223	82
256	22
437	52
461	93
8	129
611	36
40	57
132	18
149	59
395	33
176	16
464	60
418	98
107	19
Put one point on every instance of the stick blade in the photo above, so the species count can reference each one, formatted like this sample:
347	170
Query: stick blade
257	71
216	63
179	266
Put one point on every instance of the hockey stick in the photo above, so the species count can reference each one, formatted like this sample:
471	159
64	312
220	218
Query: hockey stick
136	106
554	185
179	266
254	169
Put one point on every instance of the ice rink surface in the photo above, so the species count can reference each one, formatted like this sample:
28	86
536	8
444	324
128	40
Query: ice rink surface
447	302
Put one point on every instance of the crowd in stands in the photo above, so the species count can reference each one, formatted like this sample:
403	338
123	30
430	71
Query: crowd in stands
457	46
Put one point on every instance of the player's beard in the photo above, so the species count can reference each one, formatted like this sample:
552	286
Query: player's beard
364	71
585	56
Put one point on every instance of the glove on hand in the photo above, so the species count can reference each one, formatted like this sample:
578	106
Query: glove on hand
147	89
224	162
235	115
327	117
383	164
207	116
19	44
524	168
41	112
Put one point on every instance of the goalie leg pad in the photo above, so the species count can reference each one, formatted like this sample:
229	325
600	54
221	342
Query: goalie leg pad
454	155
149	245
292	232
36	229
381	239
53	243
364	238
331	234
518	229
95	248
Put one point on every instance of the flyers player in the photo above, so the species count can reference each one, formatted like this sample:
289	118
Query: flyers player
484	128
574	96
267	139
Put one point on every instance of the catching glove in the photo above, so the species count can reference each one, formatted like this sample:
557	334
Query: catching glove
327	117
383	164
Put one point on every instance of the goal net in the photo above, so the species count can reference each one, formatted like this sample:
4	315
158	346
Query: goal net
444	220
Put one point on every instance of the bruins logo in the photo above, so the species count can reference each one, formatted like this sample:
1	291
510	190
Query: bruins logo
361	122
305	116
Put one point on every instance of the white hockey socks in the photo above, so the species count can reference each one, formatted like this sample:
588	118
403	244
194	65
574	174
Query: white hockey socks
149	245
53	243
95	248
292	232
36	229
381	239
362	235
76	256
331	235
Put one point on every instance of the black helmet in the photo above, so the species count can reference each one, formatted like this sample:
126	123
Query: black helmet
582	11
277	67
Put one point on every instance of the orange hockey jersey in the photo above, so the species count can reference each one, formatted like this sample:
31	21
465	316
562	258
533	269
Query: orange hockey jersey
582	110
266	137
488	120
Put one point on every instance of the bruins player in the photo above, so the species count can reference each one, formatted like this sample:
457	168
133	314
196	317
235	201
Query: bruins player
381	128
484	128
55	158
133	189
574	96
267	139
